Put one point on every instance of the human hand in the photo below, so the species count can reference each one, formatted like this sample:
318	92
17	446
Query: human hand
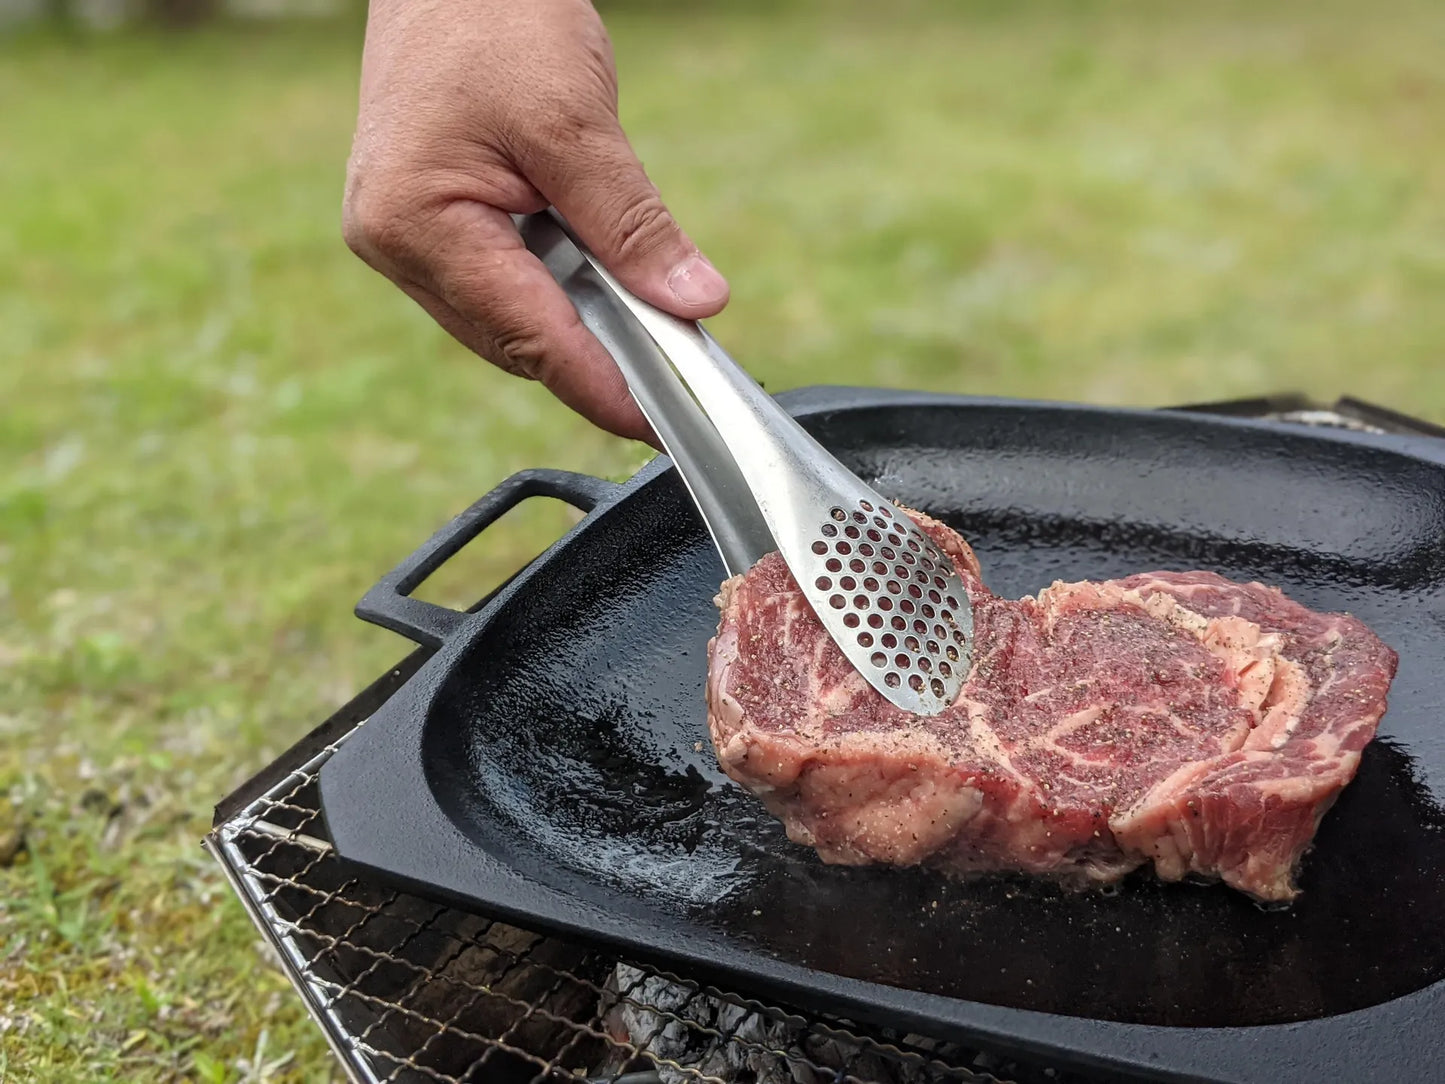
472	110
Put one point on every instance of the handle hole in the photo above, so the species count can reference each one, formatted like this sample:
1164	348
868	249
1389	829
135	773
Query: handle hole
498	553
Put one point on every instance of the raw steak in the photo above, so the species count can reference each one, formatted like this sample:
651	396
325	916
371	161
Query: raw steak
1175	718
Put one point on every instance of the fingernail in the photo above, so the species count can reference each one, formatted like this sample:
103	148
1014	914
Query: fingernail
697	282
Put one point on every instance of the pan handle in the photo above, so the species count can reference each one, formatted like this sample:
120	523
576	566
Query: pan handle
390	605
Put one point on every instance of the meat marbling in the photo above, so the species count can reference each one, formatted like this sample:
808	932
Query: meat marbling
1175	718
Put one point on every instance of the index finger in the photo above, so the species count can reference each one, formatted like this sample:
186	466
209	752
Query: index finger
497	298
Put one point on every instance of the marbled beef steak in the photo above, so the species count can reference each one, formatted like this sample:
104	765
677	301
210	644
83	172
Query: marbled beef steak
1178	719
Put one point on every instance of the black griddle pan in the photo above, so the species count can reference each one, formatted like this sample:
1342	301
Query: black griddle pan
551	764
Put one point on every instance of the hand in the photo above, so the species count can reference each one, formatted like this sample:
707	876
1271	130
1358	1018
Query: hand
475	109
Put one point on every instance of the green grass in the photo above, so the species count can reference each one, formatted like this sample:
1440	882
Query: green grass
217	427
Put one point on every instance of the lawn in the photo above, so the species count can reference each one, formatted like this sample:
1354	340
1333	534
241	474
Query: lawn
217	427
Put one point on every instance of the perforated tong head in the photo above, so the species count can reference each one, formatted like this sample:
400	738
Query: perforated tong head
886	593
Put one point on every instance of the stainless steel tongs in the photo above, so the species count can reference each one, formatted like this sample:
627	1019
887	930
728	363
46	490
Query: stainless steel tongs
888	596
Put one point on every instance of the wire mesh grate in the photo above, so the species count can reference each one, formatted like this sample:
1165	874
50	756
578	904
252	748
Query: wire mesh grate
408	990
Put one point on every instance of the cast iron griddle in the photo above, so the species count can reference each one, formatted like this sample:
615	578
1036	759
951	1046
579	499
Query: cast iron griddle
551	761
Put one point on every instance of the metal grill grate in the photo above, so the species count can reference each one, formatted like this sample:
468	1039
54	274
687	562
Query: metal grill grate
408	990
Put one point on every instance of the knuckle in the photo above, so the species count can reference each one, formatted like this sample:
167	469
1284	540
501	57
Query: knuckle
520	350
355	230
376	218
643	226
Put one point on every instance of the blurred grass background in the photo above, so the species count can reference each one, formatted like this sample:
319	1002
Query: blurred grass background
217	427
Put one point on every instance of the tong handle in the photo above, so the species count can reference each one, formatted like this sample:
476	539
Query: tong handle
691	440
735	430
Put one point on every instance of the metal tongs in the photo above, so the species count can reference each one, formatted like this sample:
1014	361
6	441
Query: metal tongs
888	596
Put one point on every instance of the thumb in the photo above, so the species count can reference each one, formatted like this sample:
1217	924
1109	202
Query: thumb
600	187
